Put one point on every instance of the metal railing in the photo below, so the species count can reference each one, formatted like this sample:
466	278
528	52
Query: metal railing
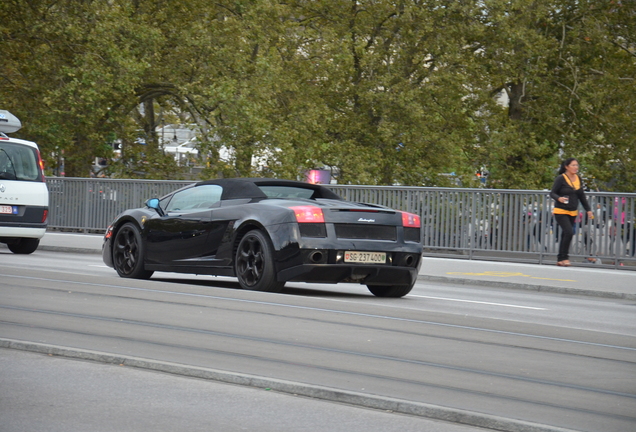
511	225
90	205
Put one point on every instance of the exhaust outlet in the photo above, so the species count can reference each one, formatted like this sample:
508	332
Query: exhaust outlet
316	257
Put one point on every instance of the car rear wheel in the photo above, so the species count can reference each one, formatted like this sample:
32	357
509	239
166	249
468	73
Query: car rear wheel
390	290
128	253
24	246
255	263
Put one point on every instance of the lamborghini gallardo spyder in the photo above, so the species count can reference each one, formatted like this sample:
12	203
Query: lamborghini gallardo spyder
267	232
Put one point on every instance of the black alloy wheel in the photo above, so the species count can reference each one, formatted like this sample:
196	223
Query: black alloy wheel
254	263
390	290
128	256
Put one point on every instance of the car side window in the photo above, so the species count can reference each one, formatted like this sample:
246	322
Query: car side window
198	197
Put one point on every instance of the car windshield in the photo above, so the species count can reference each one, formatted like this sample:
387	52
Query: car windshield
18	162
287	192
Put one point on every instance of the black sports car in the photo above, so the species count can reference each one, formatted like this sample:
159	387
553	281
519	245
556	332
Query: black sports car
266	232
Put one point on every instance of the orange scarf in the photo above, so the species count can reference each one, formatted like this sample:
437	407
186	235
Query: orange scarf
576	185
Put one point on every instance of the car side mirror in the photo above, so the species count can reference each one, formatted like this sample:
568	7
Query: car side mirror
153	203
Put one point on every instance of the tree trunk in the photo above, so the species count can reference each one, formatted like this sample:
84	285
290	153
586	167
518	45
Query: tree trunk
516	95
78	161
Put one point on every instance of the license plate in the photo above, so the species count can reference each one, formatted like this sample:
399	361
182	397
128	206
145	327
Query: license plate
5	209
365	257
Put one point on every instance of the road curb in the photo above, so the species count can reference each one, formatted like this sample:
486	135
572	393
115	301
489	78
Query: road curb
65	249
528	287
448	414
69	249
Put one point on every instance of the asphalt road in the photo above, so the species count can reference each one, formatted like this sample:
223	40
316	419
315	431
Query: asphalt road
495	357
54	394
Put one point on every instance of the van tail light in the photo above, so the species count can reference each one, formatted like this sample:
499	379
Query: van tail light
45	215
41	165
308	214
410	220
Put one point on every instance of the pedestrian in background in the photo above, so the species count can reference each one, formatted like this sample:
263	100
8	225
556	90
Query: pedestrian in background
567	192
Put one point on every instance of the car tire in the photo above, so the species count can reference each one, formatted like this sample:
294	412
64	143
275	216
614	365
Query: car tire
128	253
390	290
24	246
254	263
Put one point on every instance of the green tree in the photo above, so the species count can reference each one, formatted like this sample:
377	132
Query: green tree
386	86
566	69
380	91
67	65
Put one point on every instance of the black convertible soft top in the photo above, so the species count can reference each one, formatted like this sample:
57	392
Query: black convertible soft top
237	188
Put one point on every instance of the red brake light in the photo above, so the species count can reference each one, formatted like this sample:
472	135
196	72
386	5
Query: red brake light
308	214
41	165
411	220
45	214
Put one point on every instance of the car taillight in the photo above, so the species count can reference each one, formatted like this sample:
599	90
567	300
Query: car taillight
308	214
109	233
45	214
410	220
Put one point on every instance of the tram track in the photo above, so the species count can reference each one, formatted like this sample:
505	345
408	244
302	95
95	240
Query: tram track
188	323
629	347
299	346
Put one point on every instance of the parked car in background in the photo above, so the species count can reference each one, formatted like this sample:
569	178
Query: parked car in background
267	232
24	198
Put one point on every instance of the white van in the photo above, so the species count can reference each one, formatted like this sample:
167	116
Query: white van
24	197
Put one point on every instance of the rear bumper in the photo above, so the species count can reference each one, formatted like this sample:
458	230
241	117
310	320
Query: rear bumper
327	266
23	231
364	274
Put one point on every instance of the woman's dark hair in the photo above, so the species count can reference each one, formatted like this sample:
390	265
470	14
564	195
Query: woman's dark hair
565	163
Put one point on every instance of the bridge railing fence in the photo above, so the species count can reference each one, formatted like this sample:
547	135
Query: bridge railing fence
511	225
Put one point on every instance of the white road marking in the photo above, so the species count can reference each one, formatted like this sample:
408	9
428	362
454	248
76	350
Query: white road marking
478	302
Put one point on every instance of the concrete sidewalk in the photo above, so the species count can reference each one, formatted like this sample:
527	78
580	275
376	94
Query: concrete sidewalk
579	279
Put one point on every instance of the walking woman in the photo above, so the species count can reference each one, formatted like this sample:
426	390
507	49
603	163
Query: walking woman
567	191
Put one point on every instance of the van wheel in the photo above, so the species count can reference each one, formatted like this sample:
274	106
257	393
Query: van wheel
24	246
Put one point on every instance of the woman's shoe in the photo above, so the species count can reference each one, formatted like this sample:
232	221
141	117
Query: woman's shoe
564	263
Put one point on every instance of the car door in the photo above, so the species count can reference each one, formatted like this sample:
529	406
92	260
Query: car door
179	238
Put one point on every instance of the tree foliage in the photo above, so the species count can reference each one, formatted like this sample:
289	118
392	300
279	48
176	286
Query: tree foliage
380	92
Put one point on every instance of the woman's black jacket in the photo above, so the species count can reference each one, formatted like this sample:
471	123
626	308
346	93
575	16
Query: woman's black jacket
562	188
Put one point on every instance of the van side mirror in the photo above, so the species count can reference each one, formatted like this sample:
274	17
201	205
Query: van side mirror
153	203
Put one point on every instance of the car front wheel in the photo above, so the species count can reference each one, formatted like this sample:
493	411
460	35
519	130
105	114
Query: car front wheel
254	263
390	290
128	253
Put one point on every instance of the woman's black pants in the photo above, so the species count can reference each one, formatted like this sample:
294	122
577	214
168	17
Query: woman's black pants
566	222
